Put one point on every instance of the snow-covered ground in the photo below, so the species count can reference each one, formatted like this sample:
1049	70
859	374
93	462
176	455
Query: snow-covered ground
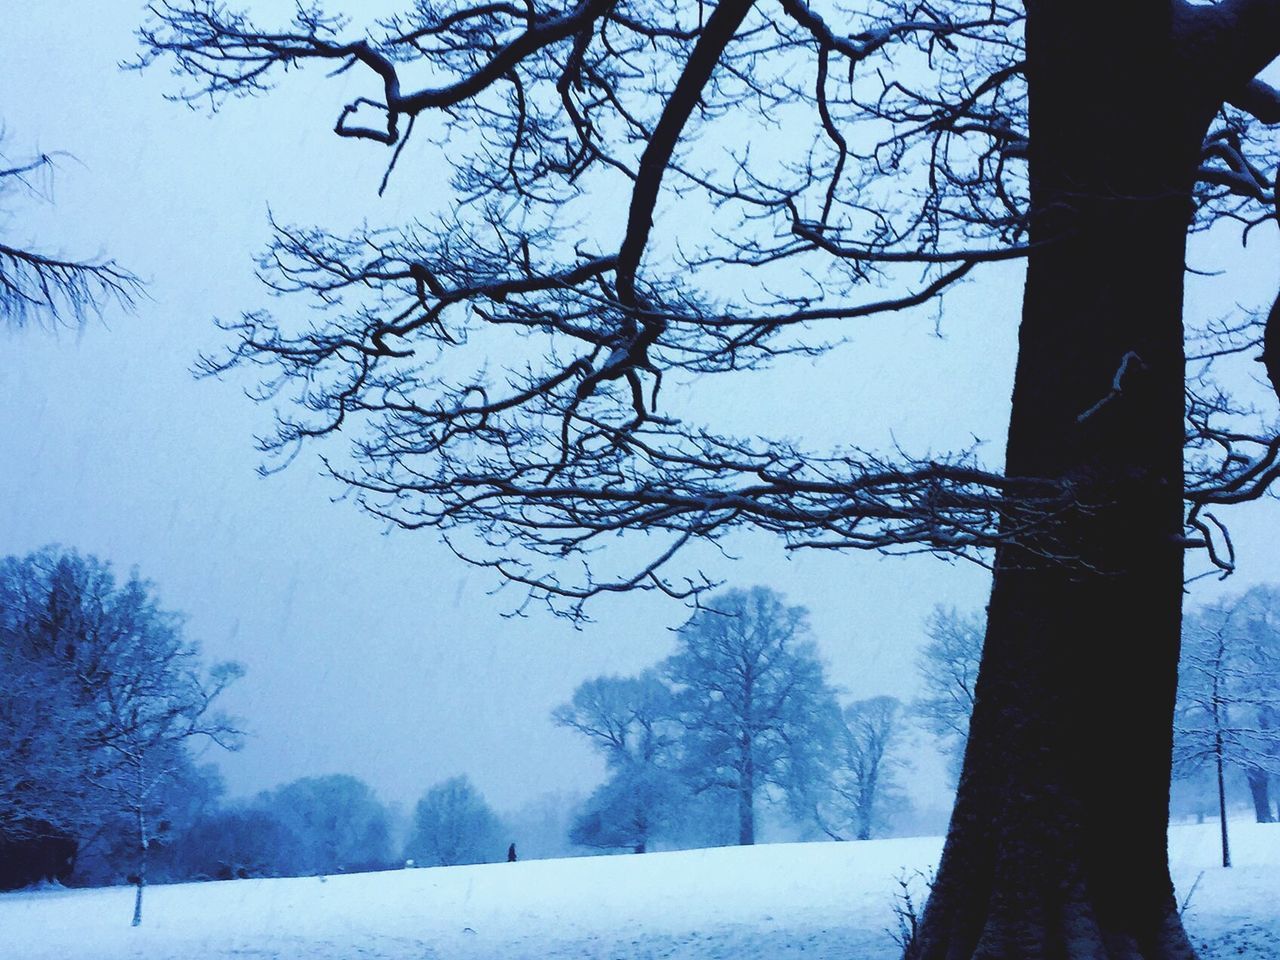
816	900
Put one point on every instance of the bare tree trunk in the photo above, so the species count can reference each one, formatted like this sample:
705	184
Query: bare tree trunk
1222	803
1219	721
1259	790
142	867
1057	846
747	763
865	804
143	843
747	796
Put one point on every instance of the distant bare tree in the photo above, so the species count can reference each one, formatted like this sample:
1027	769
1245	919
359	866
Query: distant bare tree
1262	691
948	666
863	786
635	724
757	710
628	719
1229	697
37	284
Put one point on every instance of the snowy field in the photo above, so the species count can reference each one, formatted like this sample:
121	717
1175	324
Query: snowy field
818	900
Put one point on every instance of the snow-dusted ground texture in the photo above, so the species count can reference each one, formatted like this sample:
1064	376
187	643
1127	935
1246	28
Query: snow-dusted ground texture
816	900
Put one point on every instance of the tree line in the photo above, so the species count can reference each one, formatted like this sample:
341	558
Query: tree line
106	711
741	717
316	826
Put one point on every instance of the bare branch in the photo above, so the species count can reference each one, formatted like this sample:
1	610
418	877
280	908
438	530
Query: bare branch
37	285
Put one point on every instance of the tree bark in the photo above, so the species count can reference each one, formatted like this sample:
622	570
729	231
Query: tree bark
1057	846
142	867
747	796
1222	805
1259	789
1219	758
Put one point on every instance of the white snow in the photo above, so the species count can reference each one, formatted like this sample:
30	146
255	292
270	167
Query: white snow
816	900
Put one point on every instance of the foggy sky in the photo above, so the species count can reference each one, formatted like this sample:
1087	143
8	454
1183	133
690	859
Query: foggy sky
371	653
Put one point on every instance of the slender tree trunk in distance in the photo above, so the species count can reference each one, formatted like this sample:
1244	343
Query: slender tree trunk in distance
1219	719
1259	789
142	867
143	843
1058	841
1259	779
747	796
1222	803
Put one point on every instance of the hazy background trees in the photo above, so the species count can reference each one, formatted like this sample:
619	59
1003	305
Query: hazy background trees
1260	697
948	665
106	709
452	825
236	842
863	793
312	826
1228	698
338	822
758	713
103	702
738	726
635	724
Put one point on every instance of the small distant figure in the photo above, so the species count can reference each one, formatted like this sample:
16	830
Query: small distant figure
511	854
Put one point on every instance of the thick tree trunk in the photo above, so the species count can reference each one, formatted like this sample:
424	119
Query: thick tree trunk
1259	789
746	799
1057	845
